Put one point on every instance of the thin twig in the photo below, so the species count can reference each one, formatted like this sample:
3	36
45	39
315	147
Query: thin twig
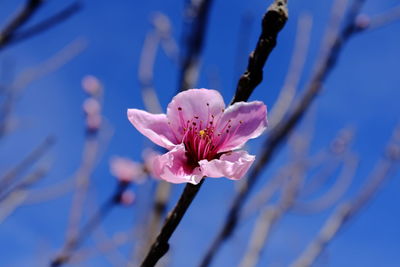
10	35
75	241
26	77
32	157
46	24
292	79
197	13
384	169
22	17
16	196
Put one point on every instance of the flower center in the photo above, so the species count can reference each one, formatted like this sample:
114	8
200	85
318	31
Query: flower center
201	139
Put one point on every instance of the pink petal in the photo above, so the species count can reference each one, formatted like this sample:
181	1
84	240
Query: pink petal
233	165
172	167
153	126
247	120
194	104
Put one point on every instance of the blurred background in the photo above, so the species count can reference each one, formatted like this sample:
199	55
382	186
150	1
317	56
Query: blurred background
54	152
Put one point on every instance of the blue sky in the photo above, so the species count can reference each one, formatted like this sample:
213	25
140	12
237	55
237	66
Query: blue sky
362	92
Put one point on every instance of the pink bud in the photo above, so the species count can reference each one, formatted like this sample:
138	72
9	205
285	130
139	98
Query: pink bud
91	106
93	122
128	197
91	85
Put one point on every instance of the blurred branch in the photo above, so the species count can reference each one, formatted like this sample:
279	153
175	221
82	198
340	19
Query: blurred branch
270	215
32	74
104	246
197	14
25	183
90	155
74	241
283	129
160	34
346	211
46	24
297	61
10	35
92	223
7	179
30	8
14	197
337	190
383	19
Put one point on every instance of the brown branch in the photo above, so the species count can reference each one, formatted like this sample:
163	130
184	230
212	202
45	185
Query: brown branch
272	23
282	131
10	35
46	24
199	12
22	17
161	245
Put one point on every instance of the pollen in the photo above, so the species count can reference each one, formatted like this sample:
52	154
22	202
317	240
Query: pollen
202	133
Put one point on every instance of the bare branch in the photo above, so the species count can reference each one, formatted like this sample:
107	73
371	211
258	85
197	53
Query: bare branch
161	245
197	13
273	22
384	169
75	240
30	159
22	17
298	59
10	35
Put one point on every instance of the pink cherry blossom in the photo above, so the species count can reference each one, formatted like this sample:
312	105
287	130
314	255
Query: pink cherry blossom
202	136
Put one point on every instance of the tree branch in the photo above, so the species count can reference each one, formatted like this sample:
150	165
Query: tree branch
272	23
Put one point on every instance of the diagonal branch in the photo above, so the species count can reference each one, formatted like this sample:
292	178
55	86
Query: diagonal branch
272	23
22	17
10	35
383	170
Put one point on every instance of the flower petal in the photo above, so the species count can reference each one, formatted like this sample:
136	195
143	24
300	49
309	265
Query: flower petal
172	167
246	120
198	105
233	165
153	126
